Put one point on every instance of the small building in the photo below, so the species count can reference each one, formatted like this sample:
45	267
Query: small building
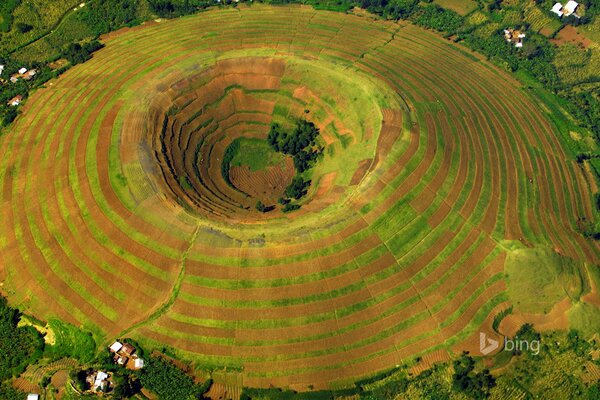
138	363
22	70
122	360
128	349
100	381
15	101
115	347
1	69
566	10
514	36
33	396
14	78
29	74
570	8
557	9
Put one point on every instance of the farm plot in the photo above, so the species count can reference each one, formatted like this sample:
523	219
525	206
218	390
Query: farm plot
117	216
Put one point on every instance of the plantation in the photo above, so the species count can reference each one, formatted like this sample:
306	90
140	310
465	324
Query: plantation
131	190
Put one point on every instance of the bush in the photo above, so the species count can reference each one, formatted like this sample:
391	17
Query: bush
230	152
290	207
76	53
23	28
298	188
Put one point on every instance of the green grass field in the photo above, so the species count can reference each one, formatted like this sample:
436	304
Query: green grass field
256	154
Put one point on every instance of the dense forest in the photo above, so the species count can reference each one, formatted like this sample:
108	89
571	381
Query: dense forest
19	346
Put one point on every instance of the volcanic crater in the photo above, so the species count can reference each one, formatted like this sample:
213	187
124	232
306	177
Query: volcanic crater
192	121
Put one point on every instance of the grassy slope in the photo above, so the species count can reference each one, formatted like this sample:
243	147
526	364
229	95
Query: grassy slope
539	278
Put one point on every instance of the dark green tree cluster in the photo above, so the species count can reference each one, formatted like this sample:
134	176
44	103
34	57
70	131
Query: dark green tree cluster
109	15
77	53
19	346
435	17
230	152
169	382
7	392
474	384
301	144
126	386
176	8
298	188
78	377
301	141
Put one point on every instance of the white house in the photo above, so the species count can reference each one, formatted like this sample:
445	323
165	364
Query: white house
115	347
100	381
1	69
33	396
22	70
567	10
138	363
557	9
570	8
15	101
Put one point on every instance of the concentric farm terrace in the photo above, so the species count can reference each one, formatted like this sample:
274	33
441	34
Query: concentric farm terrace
436	168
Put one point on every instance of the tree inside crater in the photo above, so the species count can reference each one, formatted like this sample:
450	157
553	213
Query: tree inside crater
301	144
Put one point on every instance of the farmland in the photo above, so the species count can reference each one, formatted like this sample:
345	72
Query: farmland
116	216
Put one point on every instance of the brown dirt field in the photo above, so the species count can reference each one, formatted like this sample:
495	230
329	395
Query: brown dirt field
555	319
429	360
569	34
471	344
363	167
267	185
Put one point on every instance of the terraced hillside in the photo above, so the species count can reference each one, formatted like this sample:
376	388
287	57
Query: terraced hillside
436	165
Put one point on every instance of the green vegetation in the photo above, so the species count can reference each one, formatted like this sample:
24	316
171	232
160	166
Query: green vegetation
7	392
476	385
301	144
539	278
6	9
70	342
19	346
230	153
585	318
255	153
77	53
169	382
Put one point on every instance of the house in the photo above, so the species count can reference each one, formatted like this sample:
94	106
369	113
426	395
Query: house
514	36
14	78
568	9
22	70
100	381
27	76
15	101
138	363
557	9
115	347
1	69
128	349
33	396
122	360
